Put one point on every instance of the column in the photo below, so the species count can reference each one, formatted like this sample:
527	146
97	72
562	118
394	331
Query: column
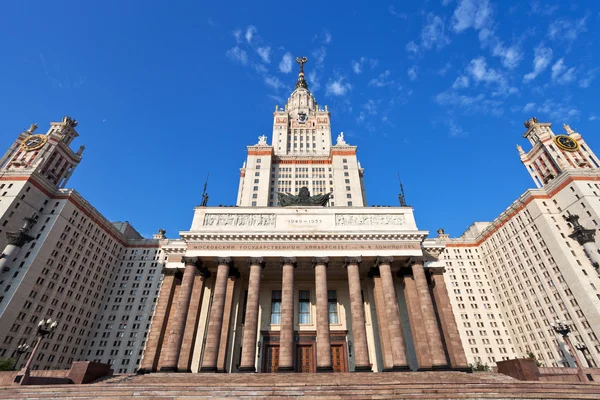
416	324
391	308
224	347
193	319
382	326
159	322
323	340
436	348
286	327
456	353
357	309
247	363
171	353
215	323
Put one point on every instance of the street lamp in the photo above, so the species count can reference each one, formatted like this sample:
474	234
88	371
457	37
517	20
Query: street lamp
563	329
583	348
44	328
20	350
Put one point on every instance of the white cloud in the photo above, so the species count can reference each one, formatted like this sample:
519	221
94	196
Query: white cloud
433	33
393	11
587	81
382	80
370	107
592	118
461	82
455	130
480	72
412	73
509	56
250	32
566	30
411	47
313	81
237	34
327	39
264	53
471	14
285	65
470	104
554	111
319	55
237	54
273	82
541	60
357	66
337	87
560	73
442	71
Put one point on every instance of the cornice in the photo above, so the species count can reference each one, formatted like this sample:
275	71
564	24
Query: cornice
302	237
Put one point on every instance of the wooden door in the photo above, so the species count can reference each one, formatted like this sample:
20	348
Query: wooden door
271	358
305	359
338	360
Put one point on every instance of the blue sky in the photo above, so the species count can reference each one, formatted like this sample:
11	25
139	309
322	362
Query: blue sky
166	92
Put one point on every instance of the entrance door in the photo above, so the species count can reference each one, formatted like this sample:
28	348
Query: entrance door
337	358
271	359
305	358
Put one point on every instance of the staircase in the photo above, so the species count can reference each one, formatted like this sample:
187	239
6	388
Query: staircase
419	385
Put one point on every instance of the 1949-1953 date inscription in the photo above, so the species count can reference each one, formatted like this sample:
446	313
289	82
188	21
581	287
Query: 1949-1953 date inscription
311	221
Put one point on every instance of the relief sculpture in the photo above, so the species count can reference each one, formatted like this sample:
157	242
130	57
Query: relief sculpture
369	219
239	220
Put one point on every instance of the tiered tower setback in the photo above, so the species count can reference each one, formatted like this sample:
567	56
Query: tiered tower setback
301	155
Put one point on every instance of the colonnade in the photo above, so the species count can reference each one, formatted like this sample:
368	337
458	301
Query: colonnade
434	334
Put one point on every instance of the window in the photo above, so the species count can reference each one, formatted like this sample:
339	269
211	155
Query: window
332	303
304	308
276	307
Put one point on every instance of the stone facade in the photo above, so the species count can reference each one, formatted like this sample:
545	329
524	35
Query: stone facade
97	279
303	288
509	278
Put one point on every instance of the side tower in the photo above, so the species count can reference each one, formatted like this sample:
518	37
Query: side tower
32	170
301	155
552	154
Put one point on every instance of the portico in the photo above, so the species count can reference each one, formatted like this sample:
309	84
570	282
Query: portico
304	289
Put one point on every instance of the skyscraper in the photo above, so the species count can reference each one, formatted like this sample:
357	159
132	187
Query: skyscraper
509	279
289	281
62	259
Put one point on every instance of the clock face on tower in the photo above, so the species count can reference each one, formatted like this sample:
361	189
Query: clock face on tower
34	142
302	117
566	143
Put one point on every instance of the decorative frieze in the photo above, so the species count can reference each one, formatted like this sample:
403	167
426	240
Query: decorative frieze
239	220
369	219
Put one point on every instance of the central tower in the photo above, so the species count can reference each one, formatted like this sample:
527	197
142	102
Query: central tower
301	154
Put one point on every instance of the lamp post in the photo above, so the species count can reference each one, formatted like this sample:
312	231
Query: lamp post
583	348
45	327
20	350
563	330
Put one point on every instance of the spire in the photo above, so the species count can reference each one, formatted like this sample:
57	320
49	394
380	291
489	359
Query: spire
401	197
204	194
301	81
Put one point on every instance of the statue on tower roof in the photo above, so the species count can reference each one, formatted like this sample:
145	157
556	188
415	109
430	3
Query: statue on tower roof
530	123
301	81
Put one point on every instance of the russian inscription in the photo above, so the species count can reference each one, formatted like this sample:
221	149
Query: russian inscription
369	219
239	220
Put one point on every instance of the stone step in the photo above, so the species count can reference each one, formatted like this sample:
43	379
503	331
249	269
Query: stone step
423	385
